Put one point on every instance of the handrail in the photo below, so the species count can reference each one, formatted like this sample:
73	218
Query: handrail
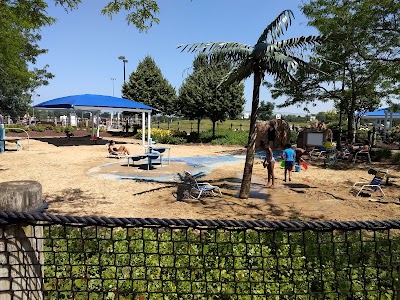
17	128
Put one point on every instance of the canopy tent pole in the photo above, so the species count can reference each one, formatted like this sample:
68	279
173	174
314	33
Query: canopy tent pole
111	119
98	124
149	129
384	125
143	127
92	118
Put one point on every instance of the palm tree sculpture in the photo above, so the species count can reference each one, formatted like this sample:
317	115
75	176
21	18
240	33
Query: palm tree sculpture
277	58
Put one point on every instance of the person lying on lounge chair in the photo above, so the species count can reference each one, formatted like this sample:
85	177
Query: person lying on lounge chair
364	148
113	149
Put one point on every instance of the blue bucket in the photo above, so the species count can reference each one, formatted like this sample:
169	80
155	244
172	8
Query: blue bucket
297	168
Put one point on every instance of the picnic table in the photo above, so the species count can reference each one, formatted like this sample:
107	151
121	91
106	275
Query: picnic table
159	149
9	140
153	155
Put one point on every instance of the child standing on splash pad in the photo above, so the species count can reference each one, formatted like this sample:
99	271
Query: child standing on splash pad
269	163
289	156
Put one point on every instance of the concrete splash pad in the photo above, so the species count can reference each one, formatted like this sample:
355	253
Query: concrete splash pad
118	169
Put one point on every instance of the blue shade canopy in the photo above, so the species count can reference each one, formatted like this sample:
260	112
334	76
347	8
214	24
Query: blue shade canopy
89	102
380	114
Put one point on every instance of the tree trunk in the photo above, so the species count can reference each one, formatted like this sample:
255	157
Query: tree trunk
350	119
198	126
213	128
248	166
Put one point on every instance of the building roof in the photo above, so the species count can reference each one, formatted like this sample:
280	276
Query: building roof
380	114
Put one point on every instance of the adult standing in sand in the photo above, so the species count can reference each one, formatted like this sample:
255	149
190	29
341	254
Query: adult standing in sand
299	153
271	134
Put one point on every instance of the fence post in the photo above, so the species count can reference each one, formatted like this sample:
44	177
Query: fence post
21	246
179	126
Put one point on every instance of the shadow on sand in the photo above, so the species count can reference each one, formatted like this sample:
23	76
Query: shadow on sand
74	141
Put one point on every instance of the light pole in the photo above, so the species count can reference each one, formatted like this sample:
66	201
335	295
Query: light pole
113	79
124	60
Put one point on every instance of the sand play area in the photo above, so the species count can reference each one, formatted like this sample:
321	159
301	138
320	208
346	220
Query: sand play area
76	181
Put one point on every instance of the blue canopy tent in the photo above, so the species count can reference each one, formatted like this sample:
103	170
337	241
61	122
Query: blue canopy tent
382	115
96	103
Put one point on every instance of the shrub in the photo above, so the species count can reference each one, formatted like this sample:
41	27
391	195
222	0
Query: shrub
39	128
59	129
381	154
164	136
171	140
193	137
396	158
70	128
177	133
9	128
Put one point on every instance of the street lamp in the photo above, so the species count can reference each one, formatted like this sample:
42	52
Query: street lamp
124	60
113	79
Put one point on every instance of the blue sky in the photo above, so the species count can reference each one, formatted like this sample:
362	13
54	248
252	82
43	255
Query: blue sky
84	46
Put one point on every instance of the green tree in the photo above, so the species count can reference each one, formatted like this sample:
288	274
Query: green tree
268	56
364	58
141	13
200	98
148	86
265	110
20	22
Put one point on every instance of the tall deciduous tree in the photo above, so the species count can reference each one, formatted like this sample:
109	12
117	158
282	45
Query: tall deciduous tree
20	22
147	85
365	57
268	56
200	98
265	111
141	13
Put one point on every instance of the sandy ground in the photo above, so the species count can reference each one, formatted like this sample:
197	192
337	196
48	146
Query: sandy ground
314	194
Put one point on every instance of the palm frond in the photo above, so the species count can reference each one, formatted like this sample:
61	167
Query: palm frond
213	46
299	42
237	74
233	55
280	73
275	29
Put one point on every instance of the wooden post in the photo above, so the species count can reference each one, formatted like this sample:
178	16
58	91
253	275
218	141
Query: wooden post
21	246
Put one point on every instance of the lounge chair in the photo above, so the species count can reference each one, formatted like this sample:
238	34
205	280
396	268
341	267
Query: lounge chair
318	152
375	183
362	155
114	154
199	189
